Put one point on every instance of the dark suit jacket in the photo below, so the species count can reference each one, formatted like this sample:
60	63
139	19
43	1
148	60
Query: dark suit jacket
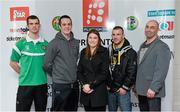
153	68
94	72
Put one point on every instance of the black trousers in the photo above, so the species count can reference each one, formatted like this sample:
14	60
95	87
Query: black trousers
65	97
27	94
90	108
149	104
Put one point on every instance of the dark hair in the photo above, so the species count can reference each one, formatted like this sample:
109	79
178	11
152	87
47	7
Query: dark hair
64	16
88	51
119	28
32	17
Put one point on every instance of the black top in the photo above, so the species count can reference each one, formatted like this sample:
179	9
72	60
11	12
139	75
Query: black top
94	71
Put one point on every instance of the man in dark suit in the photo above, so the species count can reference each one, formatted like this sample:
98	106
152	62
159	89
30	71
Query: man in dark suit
153	63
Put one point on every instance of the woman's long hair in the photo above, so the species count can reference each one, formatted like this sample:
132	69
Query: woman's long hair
88	51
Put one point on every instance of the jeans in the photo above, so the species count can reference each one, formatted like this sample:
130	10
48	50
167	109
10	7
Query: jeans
115	100
65	97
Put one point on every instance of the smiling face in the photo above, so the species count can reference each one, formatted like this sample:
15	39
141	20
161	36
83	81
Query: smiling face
117	36
66	26
93	40
151	29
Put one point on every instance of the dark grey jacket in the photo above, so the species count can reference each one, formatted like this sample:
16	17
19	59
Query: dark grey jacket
153	68
61	59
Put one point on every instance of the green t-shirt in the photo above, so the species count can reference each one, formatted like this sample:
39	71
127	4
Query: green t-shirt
30	56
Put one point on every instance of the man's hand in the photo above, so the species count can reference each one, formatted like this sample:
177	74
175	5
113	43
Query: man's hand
121	91
108	88
150	93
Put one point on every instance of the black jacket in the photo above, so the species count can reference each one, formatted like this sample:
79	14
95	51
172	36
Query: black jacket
94	72
124	75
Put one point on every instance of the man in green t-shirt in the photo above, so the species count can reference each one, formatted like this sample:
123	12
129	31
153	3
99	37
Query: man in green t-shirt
26	59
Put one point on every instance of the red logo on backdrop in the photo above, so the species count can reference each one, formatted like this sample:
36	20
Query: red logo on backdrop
95	14
167	25
171	25
19	13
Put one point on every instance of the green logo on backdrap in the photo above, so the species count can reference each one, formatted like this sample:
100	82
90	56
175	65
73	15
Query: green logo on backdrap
132	23
55	23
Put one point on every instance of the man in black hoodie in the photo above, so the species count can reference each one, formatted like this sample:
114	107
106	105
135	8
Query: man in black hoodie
61	63
123	68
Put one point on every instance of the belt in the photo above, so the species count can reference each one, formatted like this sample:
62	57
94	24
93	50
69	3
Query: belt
72	85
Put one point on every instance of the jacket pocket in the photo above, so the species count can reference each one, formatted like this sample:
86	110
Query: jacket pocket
75	51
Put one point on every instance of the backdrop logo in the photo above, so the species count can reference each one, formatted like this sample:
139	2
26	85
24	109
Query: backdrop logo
155	13
132	23
22	30
95	14
167	26
19	13
55	23
14	38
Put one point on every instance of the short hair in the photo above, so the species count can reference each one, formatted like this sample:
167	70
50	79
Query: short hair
155	21
119	28
64	16
32	17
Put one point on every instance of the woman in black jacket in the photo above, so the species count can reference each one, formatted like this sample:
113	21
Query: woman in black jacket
92	73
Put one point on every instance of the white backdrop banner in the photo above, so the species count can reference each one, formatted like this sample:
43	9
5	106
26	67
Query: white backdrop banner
86	14
0	59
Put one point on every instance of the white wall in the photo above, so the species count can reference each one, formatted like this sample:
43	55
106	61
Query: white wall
176	93
176	88
0	56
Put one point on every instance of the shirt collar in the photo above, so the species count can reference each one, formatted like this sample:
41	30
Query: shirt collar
40	39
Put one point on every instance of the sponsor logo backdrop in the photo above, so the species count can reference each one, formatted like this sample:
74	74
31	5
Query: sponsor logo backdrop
86	14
